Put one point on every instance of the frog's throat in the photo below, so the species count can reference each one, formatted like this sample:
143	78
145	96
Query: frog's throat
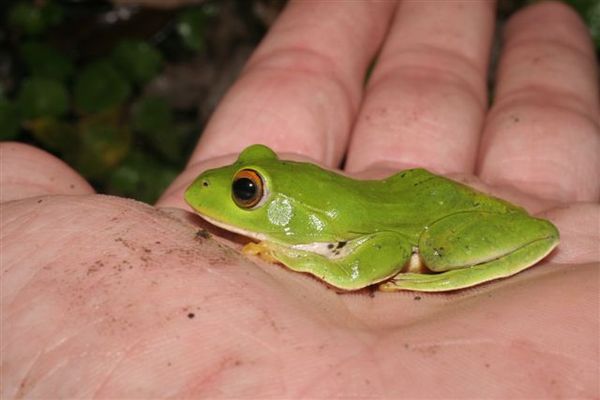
235	229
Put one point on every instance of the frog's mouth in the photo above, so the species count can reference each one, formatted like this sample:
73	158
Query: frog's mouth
235	229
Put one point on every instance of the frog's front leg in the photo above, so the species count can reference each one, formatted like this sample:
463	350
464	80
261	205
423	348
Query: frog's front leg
468	248
348	265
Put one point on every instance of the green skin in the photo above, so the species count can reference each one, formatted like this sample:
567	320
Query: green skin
412	231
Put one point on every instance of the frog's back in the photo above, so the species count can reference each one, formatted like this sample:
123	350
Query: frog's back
424	190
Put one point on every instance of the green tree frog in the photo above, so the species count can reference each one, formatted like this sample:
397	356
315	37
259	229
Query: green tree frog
412	231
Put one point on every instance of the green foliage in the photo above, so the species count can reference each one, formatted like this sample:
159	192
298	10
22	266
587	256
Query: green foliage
31	19
142	177
45	61
41	97
27	18
53	14
103	143
100	86
191	26
138	60
55	134
89	111
152	115
9	120
592	17
153	119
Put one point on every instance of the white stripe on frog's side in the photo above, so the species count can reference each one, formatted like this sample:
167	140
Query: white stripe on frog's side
331	250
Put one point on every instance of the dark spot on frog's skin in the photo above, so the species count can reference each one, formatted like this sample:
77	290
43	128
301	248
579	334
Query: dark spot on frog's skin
335	249
203	233
402	175
40	201
476	204
191	315
417	298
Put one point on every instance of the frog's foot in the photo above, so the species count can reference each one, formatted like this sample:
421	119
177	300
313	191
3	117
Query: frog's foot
486	254
260	250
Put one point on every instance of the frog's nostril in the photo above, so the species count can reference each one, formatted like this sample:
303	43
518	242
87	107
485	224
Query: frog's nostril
205	183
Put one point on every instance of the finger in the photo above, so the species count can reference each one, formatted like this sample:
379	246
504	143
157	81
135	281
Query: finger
542	135
28	171
579	233
426	98
302	86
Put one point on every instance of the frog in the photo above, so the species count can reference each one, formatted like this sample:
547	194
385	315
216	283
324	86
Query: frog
413	230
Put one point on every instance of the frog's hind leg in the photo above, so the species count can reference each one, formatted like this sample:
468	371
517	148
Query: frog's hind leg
466	249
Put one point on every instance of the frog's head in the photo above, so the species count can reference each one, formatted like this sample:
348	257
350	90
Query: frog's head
256	197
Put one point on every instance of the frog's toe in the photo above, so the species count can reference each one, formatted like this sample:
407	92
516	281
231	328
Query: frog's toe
420	282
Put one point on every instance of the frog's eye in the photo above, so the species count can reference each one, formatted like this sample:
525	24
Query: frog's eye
247	188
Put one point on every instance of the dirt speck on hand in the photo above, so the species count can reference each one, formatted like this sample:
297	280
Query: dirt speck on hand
203	233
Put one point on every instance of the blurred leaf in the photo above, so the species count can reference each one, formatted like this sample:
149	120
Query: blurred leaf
9	120
52	13
45	61
152	115
191	25
32	19
41	97
100	86
103	143
153	118
27	18
593	19
138	60
141	177
55	134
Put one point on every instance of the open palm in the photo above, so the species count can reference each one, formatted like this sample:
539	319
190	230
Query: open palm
106	297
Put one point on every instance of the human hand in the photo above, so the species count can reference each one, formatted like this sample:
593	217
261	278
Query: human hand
104	297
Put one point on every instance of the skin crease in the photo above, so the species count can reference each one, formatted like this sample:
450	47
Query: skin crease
106	297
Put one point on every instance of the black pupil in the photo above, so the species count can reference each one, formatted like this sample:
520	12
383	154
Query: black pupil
244	189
